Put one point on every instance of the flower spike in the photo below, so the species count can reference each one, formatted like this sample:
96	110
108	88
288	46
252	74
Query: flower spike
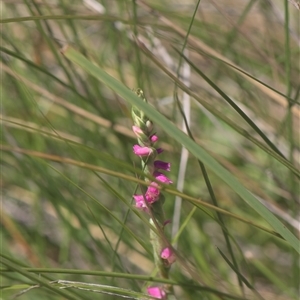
151	200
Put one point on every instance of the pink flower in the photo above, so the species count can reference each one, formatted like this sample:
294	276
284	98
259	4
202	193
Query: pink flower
138	198
152	194
153	138
142	151
136	129
140	202
162	177
168	255
156	292
162	165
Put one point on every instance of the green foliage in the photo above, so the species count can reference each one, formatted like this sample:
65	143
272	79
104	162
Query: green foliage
226	70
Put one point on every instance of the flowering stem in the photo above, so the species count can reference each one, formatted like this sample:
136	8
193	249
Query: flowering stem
156	239
151	200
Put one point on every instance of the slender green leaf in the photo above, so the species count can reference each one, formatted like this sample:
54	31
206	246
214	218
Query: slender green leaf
183	139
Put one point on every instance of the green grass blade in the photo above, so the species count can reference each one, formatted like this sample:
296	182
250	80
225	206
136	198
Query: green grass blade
37	279
182	138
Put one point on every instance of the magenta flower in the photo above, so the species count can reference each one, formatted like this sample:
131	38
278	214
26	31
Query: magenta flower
152	194
168	255
142	151
140	202
138	198
162	177
159	150
156	292
162	165
153	138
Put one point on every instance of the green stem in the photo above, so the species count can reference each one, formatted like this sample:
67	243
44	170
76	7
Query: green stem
157	241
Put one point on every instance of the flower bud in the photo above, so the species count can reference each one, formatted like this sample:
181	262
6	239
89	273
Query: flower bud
161	165
168	255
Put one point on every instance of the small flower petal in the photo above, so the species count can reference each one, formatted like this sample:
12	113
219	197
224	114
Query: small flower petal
142	151
137	130
162	177
153	138
159	150
140	202
156	292
152	194
162	165
168	255
138	198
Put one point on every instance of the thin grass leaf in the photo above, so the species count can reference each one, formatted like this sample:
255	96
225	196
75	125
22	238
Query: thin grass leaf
179	136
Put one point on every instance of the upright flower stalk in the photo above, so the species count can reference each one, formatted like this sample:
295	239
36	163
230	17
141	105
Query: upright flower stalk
151	200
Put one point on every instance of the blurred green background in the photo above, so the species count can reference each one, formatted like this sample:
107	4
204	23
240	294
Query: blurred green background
64	133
